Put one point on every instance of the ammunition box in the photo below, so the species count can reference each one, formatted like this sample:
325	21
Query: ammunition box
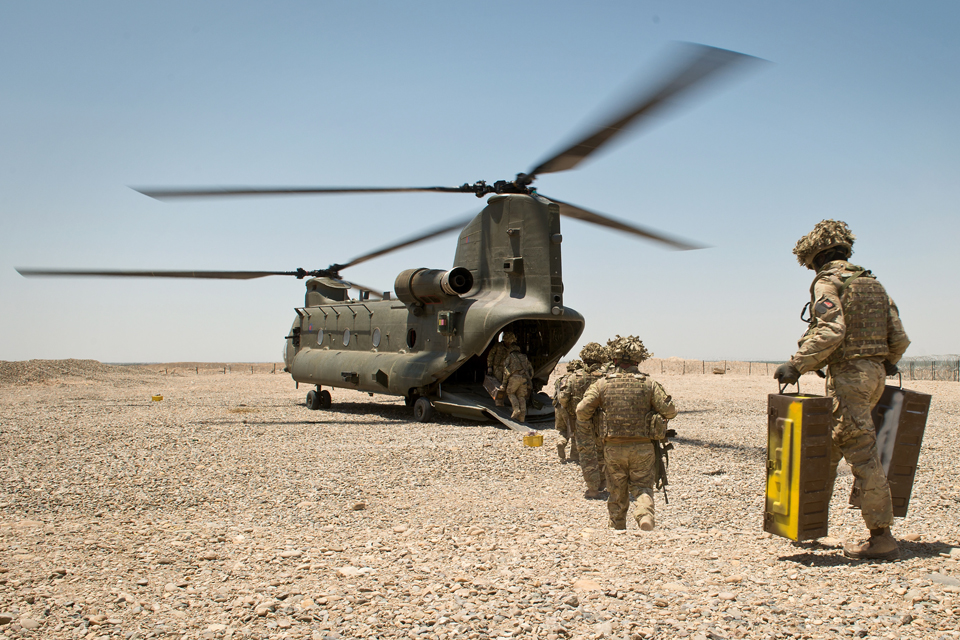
494	388
900	419
798	465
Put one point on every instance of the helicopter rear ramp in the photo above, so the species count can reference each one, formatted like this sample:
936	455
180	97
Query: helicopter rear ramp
478	405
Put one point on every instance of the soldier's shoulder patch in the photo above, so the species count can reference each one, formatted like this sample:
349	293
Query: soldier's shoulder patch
824	305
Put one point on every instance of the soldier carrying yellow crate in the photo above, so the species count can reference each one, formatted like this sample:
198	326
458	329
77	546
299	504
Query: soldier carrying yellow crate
855	331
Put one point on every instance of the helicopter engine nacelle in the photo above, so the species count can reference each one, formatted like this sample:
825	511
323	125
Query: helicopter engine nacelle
425	286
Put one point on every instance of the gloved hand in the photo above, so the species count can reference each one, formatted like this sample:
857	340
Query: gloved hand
891	368
787	373
671	433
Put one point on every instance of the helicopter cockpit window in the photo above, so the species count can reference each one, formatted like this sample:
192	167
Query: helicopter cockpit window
346	337
411	338
320	337
376	337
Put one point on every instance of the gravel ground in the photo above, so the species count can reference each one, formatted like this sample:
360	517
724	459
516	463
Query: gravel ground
228	510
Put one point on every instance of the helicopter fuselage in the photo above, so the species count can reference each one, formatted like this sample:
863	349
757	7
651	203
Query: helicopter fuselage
440	326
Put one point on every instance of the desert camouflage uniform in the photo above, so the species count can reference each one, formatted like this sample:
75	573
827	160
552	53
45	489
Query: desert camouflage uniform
855	326
626	397
563	421
495	359
517	380
588	436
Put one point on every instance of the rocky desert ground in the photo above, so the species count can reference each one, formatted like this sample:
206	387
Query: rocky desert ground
229	510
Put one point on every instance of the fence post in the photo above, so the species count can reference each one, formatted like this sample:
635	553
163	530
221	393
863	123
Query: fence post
933	369
749	368
703	367
684	368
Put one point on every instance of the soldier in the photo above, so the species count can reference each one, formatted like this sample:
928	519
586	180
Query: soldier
498	353
855	331
635	409
562	420
517	380
589	444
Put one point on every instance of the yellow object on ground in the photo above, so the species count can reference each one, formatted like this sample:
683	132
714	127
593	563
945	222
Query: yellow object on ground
535	440
157	398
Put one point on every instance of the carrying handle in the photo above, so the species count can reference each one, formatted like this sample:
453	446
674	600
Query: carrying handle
785	385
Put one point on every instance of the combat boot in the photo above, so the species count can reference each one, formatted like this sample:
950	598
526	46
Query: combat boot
880	546
562	452
645	523
593	494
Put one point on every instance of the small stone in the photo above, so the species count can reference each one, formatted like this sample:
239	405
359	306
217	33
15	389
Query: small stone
660	602
142	582
912	537
348	572
585	584
726	595
169	587
291	553
360	506
676	586
29	623
955	552
733	579
209	555
6	618
946	580
217	627
284	623
828	541
400	528
571	601
165	560
605	628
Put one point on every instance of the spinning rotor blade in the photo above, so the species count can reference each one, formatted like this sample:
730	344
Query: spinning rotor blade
456	225
226	192
573	211
214	275
702	63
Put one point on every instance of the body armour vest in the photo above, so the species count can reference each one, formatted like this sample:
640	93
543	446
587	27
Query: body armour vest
865	307
626	403
577	385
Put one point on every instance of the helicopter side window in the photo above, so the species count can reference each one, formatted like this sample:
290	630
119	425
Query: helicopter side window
346	337
376	337
411	338
320	337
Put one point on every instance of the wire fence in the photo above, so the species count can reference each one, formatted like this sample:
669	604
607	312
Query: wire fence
944	369
215	368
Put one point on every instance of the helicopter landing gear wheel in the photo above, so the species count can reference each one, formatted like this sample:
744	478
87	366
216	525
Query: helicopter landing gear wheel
422	410
313	400
325	399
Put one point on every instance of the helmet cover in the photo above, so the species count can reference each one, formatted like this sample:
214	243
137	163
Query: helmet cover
825	235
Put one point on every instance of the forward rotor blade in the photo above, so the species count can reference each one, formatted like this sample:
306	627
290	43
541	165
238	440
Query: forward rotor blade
214	275
573	211
164	193
456	225
701	63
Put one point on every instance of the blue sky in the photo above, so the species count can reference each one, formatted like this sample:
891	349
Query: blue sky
856	118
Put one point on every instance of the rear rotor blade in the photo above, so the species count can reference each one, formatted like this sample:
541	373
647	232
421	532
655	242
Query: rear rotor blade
573	211
701	63
456	225
164	193
214	275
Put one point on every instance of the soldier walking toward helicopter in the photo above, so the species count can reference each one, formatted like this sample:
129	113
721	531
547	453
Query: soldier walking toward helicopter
636	410
855	330
517	380
588	437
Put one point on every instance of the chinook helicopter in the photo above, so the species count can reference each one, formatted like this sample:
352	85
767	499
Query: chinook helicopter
428	340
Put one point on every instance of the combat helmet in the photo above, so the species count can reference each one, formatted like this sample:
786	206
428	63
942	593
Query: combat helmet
629	349
594	353
574	365
826	235
509	337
